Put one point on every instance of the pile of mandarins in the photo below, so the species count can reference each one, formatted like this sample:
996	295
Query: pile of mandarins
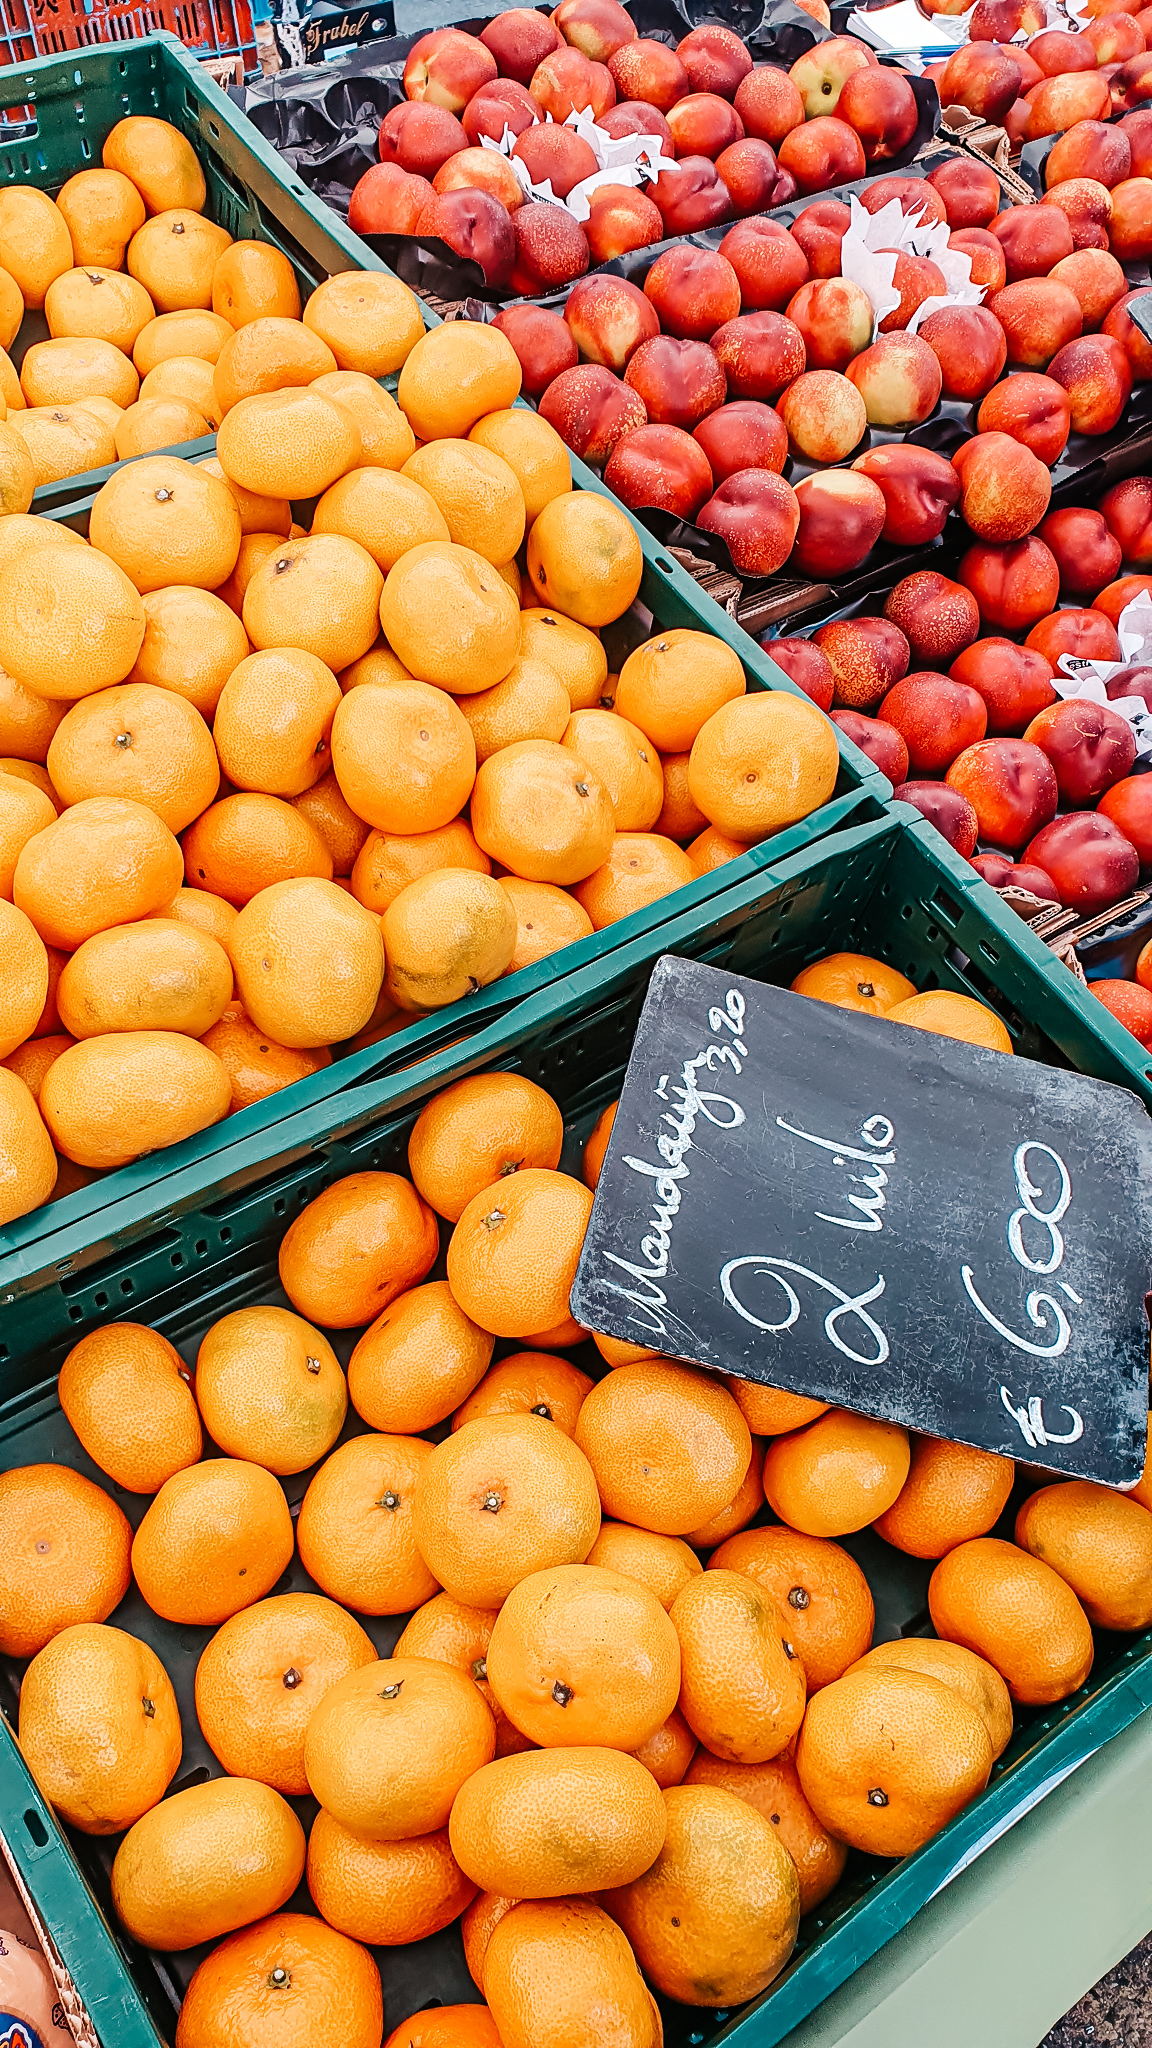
624	1737
140	293
265	791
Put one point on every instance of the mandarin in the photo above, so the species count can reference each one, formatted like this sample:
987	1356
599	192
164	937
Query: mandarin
327	810
320	594
403	755
446	936
369	320
887	1757
355	1247
66	1555
854	981
270	1389
819	1589
742	1686
775	1791
626	762
640	869
102	211
668	1445
533	451
972	1677
450	617
96	614
154	424
273	721
1016	1612
99	1727
761	762
262	1674
714	1919
769	1411
455	374
389	1747
477	1132
192	642
355	1528
256	1068
35	246
105	861
176	1088
389	861
268	353
173	256
25	988
547	918
135	741
503	1497
836	1474
447	2026
205	1861
573	651
127	1394
251	281
541	812
194	332
741	1510
530	704
582	1655
287	444
215	1539
513	1254
1100	1544
951	1494
668	1753
244	844
584	558
384	512
308	959
416	1362
29	1168
478	494
158	160
528	1383
664	1564
952	1016
288	1979
555	1821
386	1893
386	439
564	1976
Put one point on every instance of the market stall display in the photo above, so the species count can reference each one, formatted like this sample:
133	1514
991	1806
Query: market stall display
221	1301
428	913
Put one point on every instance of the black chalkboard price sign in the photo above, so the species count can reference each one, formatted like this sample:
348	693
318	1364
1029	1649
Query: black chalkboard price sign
948	1238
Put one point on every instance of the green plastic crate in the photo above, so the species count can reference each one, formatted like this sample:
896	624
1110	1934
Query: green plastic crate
877	888
56	113
72	1229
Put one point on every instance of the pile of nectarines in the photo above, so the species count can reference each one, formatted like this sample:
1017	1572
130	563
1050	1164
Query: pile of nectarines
950	692
1058	79
737	137
696	390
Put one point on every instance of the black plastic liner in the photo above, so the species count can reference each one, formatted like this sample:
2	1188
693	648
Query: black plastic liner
325	120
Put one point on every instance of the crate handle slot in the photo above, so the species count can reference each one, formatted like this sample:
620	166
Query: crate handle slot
35	1829
947	906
